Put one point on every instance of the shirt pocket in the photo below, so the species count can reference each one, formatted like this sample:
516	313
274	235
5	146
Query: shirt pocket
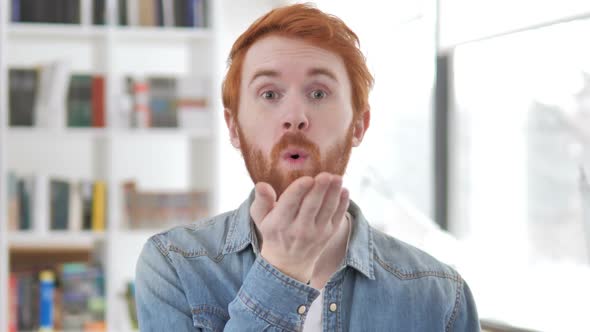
209	317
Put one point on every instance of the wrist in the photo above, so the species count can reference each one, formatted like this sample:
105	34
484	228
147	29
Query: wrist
298	271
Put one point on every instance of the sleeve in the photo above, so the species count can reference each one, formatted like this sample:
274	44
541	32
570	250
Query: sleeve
270	300
464	317
160	299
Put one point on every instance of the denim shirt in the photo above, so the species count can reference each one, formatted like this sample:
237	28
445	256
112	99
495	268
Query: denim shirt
209	276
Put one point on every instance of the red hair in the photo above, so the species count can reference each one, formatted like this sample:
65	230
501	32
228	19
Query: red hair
314	26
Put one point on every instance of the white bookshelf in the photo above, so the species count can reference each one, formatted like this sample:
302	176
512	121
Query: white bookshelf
63	240
184	158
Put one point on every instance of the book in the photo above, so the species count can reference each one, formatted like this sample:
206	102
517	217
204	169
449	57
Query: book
141	103
86	189
15	14
80	102
201	13
147	13
190	11
122	11
13	202
158	209
98	12
46	290
25	187
23	90
41	203
180	13
82	295
75	214
12	303
168	13
192	104
131	306
53	91
99	197
55	11
162	101
28	309
59	204
133	12
98	101
64	296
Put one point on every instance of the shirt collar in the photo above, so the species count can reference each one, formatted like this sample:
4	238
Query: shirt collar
360	250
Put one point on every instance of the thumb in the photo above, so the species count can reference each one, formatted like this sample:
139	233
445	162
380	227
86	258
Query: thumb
264	201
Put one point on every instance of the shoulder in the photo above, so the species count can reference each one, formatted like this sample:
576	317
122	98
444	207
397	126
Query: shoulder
205	237
405	261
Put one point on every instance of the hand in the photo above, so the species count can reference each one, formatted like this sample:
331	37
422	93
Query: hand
296	228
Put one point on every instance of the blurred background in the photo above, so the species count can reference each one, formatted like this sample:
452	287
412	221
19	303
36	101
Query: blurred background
111	130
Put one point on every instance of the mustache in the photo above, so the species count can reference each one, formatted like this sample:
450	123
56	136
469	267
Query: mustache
298	140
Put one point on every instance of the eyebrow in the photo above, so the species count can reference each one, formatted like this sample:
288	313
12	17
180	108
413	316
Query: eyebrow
323	72
312	72
263	73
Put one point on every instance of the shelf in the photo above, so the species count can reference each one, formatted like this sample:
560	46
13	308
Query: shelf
124	33
55	30
203	133
167	34
49	133
53	240
45	133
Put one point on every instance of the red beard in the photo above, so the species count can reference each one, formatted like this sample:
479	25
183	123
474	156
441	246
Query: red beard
263	170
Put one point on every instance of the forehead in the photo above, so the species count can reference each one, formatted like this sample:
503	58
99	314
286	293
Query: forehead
290	56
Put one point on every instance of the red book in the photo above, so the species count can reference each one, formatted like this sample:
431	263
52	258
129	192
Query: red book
98	109
12	303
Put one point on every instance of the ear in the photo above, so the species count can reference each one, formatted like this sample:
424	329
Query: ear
361	124
232	126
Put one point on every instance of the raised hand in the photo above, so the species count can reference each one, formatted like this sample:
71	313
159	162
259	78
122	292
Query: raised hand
296	228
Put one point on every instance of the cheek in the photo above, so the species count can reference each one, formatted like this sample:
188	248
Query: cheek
333	123
258	136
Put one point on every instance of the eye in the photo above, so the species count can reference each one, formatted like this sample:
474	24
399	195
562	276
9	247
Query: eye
318	94
269	94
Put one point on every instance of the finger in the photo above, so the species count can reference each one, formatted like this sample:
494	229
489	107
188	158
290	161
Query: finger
290	200
264	201
331	201
314	199
342	207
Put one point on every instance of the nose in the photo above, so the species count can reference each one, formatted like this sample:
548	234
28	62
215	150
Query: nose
296	119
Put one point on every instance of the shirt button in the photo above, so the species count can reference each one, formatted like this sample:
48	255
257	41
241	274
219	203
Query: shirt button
333	307
301	310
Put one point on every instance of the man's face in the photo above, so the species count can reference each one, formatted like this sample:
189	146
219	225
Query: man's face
295	115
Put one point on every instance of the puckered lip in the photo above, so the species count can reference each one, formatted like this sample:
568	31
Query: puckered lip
289	152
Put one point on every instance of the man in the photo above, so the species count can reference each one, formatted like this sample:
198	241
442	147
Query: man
297	254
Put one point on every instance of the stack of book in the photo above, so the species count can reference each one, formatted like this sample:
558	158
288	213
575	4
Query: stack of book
43	11
39	96
52	97
167	102
168	13
157	210
78	302
73	205
85	103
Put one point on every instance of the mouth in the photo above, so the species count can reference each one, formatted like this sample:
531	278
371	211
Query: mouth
294	154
